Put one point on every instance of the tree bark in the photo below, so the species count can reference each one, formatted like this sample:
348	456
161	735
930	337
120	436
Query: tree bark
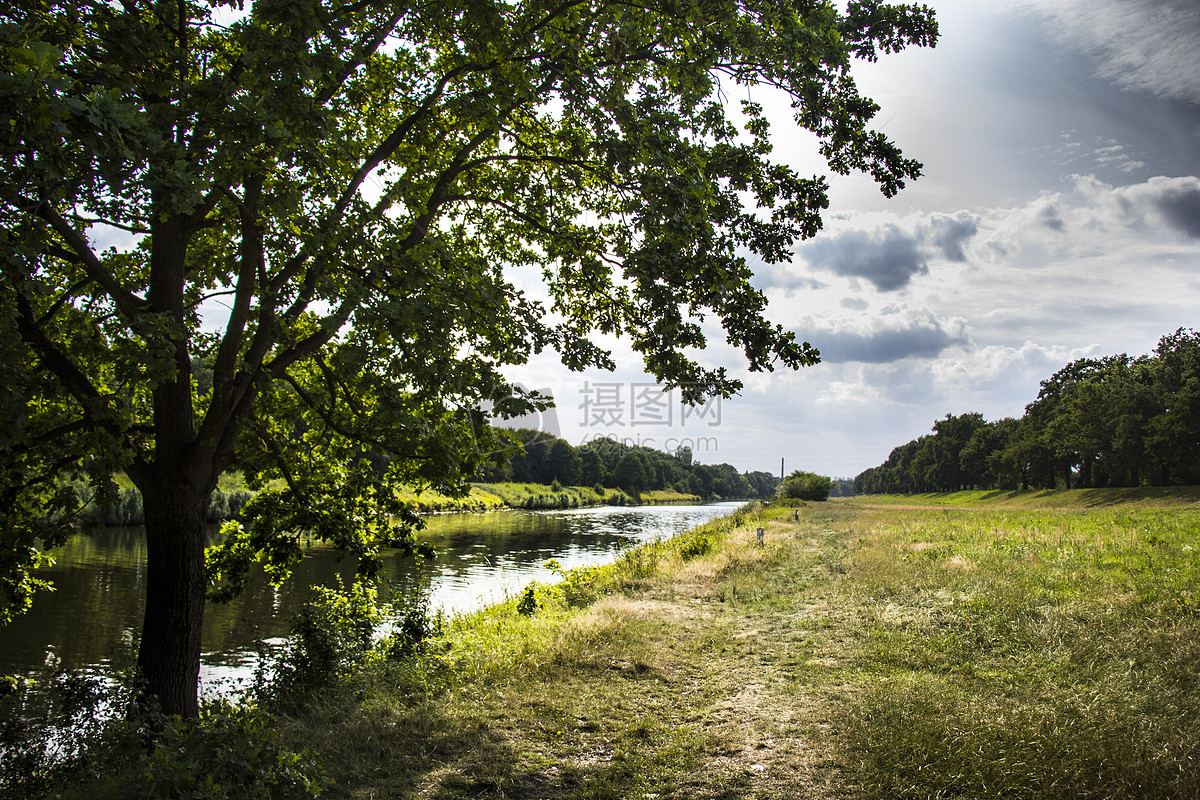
175	488
169	653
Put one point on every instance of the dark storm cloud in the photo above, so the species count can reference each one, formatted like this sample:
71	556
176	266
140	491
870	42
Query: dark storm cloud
888	257
1181	207
924	339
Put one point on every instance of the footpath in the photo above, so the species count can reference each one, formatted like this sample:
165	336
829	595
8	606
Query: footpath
694	682
1037	647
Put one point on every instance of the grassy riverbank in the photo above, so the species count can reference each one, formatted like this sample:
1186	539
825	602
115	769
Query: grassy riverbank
1057	499
492	496
865	651
232	494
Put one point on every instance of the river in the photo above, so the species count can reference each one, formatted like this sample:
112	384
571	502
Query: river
92	618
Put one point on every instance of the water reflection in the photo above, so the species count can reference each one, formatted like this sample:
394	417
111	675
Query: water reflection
94	614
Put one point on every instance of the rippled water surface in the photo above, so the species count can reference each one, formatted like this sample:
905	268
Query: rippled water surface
95	612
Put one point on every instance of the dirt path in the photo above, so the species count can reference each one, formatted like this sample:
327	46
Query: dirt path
706	683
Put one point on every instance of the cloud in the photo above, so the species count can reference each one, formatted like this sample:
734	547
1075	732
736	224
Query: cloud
1092	220
1180	205
949	234
778	276
904	335
1172	204
984	372
1147	45
1049	217
888	257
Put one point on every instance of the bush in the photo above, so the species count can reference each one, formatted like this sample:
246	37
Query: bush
48	726
229	753
805	486
332	636
78	737
578	585
528	604
416	625
639	562
695	544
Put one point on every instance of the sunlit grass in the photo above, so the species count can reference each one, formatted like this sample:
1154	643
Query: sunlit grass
871	652
1025	654
863	650
1059	499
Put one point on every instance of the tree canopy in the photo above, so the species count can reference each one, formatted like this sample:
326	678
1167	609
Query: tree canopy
284	237
801	485
1112	421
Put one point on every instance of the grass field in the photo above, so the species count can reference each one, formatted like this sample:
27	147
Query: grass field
955	647
865	651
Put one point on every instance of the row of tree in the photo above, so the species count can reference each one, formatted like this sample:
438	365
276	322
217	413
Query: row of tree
614	464
1114	421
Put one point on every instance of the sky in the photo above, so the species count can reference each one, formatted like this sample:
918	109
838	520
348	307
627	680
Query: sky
1058	218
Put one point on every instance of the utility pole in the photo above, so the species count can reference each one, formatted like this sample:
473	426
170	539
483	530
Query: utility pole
781	468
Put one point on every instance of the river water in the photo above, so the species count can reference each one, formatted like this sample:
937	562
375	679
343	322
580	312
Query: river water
92	618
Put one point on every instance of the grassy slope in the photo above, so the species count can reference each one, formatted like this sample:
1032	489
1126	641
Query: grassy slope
1064	499
865	651
488	496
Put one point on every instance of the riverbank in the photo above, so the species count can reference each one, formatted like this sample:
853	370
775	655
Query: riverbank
863	651
533	496
232	495
1061	499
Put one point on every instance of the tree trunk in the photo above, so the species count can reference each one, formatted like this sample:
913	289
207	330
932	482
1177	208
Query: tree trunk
175	488
176	585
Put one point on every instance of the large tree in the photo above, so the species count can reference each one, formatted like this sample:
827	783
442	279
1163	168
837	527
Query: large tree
320	207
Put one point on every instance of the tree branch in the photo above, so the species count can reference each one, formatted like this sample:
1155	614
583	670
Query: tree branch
77	384
127	302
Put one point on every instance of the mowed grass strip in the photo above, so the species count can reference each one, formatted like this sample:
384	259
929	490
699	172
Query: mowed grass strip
862	652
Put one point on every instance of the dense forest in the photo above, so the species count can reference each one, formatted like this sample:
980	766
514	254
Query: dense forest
616	465
1114	421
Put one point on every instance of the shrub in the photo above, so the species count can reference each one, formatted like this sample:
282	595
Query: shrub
229	753
805	486
416	625
578	585
332	636
528	604
639	562
695	544
47	727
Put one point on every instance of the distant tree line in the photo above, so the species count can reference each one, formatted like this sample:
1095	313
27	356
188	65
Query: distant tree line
616	465
1114	421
